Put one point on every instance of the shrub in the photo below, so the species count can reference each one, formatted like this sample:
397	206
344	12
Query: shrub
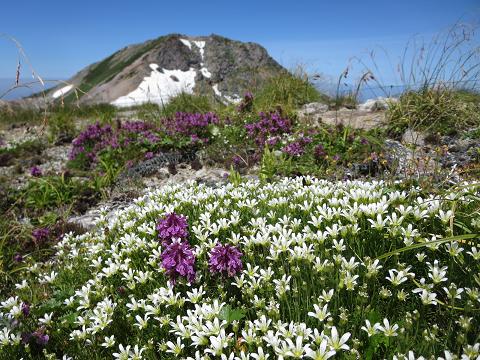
287	92
186	103
61	127
434	110
50	192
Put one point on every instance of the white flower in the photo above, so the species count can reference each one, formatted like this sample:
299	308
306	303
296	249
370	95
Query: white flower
22	285
298	349
387	329
260	355
338	343
109	341
320	313
427	297
370	329
47	319
175	348
124	353
322	352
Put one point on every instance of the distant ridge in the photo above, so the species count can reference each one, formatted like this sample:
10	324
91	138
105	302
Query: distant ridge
156	70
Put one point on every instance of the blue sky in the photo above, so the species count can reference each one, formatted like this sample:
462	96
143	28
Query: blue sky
61	37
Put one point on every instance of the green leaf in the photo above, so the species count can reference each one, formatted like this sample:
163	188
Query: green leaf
228	314
416	246
69	319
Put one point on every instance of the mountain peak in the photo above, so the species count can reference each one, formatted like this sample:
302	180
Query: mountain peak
158	69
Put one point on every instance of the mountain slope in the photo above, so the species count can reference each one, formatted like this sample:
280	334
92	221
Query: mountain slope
159	69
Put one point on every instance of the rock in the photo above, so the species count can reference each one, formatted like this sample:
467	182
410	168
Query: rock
313	109
211	177
412	137
461	152
377	104
318	113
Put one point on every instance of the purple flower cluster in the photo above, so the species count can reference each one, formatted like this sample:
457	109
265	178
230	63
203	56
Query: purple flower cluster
39	335
191	125
40	234
25	309
36	171
269	124
149	155
178	259
319	152
172	226
294	149
85	142
225	260
297	148
97	138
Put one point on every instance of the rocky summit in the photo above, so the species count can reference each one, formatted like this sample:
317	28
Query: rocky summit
159	69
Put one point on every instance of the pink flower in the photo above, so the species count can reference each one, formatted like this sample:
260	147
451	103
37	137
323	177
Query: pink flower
172	226
178	259
226	260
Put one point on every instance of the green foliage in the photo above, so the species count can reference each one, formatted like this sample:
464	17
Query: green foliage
50	192
273	164
348	101
61	125
288	92
234	177
104	113
440	110
229	315
18	115
185	102
105	70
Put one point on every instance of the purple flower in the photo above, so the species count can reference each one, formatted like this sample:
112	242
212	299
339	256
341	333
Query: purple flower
25	309
26	337
18	258
268	125
247	102
40	234
192	125
294	149
40	336
225	260
149	155
172	226
273	141
36	171
364	141
178	259
237	160
319	152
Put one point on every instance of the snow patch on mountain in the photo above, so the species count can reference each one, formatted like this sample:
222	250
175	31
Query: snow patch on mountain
201	46
216	91
234	99
62	91
159	87
186	43
205	72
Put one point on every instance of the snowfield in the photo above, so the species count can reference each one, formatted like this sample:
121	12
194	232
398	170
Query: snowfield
62	91
159	87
